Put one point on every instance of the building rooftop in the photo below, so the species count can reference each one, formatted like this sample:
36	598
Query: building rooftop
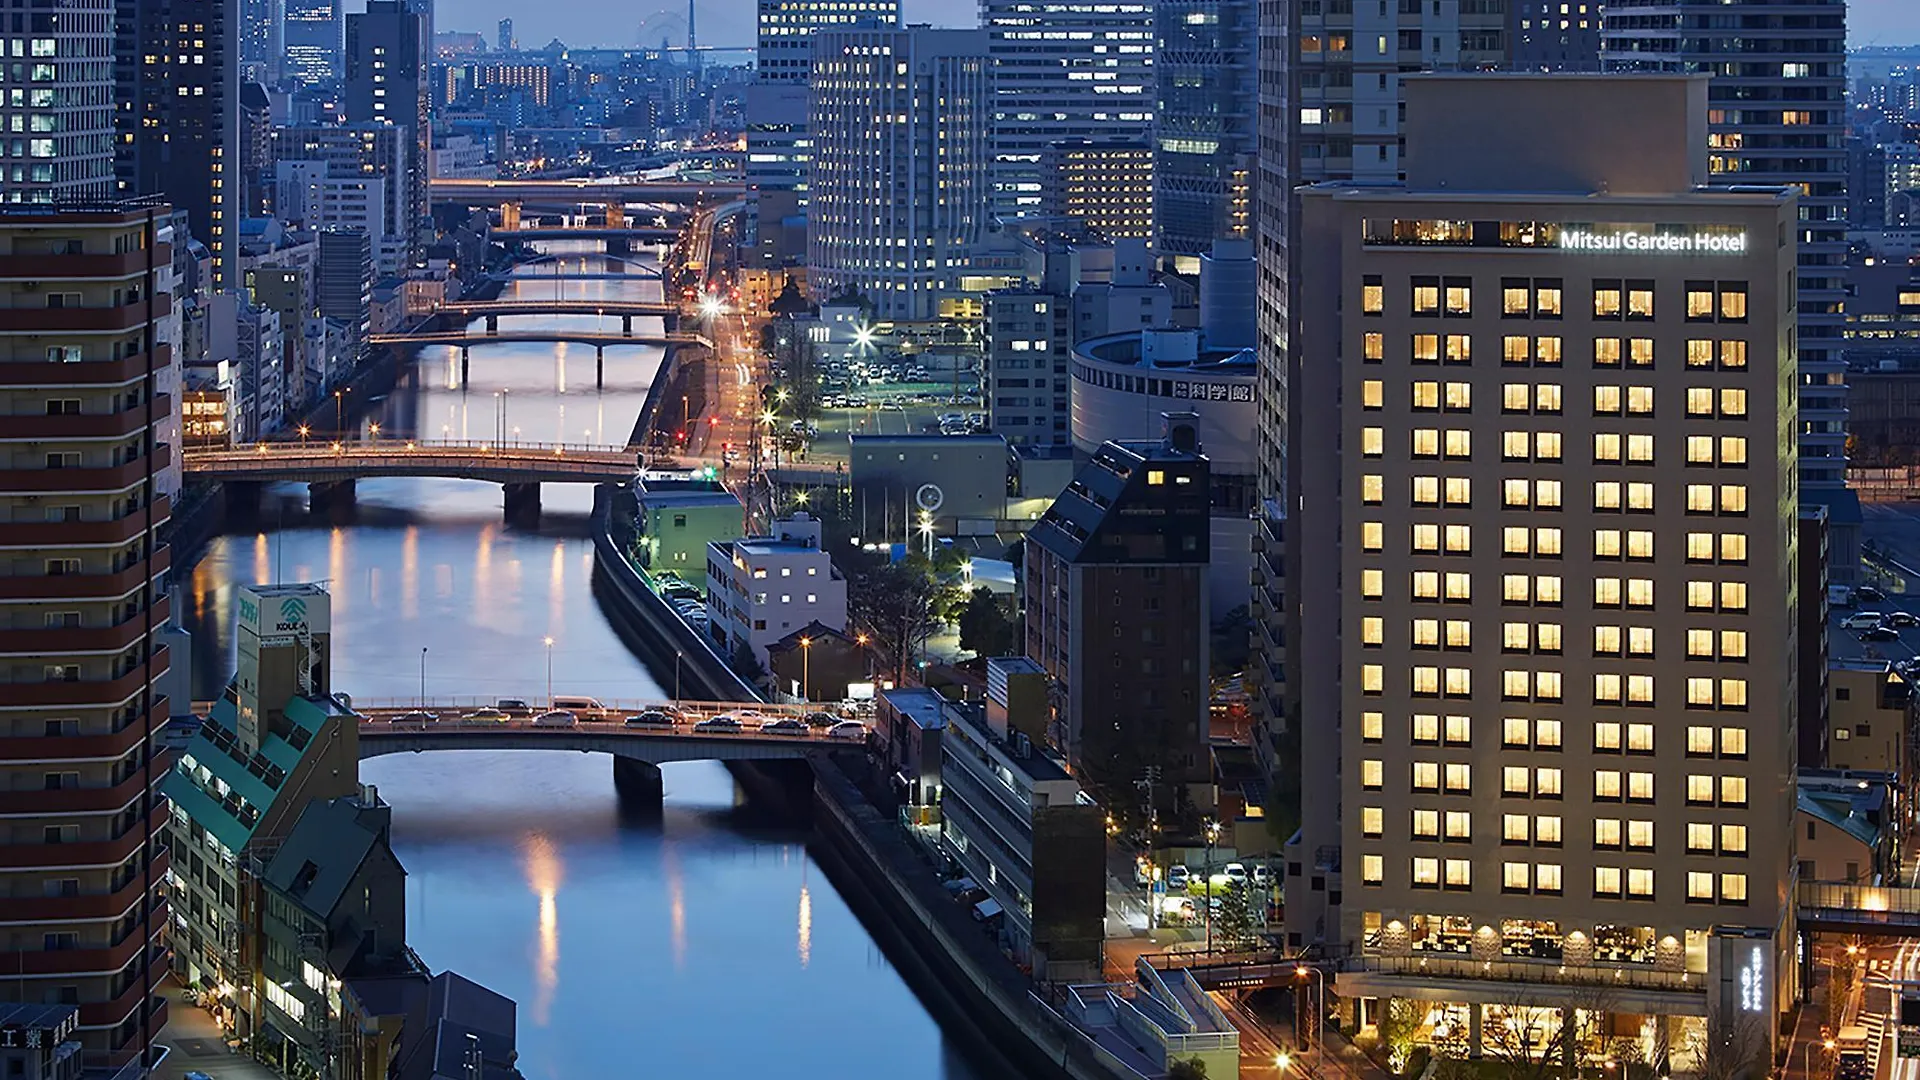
1127	348
1856	803
320	856
925	708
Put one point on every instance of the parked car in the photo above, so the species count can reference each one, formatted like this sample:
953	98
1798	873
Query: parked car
652	718
1236	873
1869	592
1900	620
1861	620
1262	875
513	706
486	713
821	719
580	706
555	718
1880	632
1177	878
785	725
848	729
1839	596
721	723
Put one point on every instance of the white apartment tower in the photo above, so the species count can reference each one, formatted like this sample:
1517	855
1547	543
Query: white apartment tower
1063	70
1547	532
900	157
777	142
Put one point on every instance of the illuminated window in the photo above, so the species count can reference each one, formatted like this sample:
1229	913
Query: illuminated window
1733	742
1733	596
1460	397
1546	734
1426	296
1459	781
1515	298
1546	783
1372	536
1606	736
1372	441
1606	831
1372	821
1733	791
1372	295
1700	644
1546	830
1606	400
1372	869
1699	301
1425	537
1606	352
1516	350
1373	394
1733	839
1459	443
1426	442
1459	296
1426	873
1733	355
1699	401
1372	726
1639	541
1372	773
1514	780
1733	302
1547	298
1699	884
1513	446
1639	299
1733	888
1546	877
1371	582
1373	346
1372	679
1640	449
1372	489
1459	349
1426	348
1459	874
1733	403
1372	627
1606	881
1640	400
1426	824
1514	828
1640	352
1699	353
1640	883
1459	729
1516	877
1733	498
1733	450
1606	299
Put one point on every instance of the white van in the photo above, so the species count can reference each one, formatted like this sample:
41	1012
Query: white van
581	706
1839	596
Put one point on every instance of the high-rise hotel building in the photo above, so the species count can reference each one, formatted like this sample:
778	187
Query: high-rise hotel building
1542	420
83	386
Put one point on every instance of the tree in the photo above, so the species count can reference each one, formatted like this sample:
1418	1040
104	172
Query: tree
987	627
1187	1069
895	603
1399	1025
1236	927
1738	1052
747	665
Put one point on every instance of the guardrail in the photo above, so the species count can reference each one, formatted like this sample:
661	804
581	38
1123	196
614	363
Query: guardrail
1544	971
297	446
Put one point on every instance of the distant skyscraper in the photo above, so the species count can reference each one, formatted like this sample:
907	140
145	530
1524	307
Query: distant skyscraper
387	84
315	39
777	143
1203	66
1776	111
897	217
262	40
1063	69
355	152
176	84
1555	35
73	160
504	40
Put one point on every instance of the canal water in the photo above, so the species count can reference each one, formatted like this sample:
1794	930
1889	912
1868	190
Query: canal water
702	944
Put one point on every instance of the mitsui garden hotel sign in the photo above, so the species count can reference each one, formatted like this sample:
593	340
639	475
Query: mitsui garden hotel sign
1580	238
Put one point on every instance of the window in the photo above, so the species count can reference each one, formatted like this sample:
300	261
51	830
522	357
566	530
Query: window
1516	877
1459	443
1371	630
1460	397
1546	830
1372	295
1372	821
1606	785
1371	584
1459	297
1699	301
1372	489
1733	301
1516	350
1733	355
1606	736
1606	881
1372	869
1373	441
1547	298
1733	791
1426	873
1546	783
1426	296
1426	442
1733	888
1699	353
1457	778
1373	394
1372	727
1514	780
1733	403
1459	874
1699	885
1733	742
1372	679
1606	352
1546	877
1516	299
1606	446
1640	300
1372	536
1640	400
1514	829
1640	352
1426	348
1373	346
1372	774
1607	299
1606	400
1640	883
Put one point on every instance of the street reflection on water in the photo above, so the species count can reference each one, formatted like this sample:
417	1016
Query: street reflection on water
704	943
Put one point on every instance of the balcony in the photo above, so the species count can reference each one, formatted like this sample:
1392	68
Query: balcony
79	694
48	641
97	907
110	319
108	746
84	373
82	800
107	478
81	266
107	1014
84	962
45	534
86	586
39	427
103	854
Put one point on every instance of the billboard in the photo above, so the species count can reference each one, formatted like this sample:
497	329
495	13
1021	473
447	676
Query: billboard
280	614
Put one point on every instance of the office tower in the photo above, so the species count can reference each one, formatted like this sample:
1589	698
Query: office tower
897	218
1116	612
344	283
1555	35
1024	366
1063	69
1274	708
1101	187
255	154
1544	484
82	884
387	84
504	41
777	99
1203	126
73	159
353	157
315	36
1777	115
262	41
178	123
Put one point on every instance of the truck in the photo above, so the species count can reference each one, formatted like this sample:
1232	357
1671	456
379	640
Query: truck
1850	1048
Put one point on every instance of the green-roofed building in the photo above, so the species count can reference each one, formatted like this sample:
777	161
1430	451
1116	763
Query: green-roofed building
272	744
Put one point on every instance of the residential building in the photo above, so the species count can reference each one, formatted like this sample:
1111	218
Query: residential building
1777	115
71	161
177	119
1203	126
1062	69
1024	375
344	285
1117	611
1555	35
762	588
315	38
1867	705
1014	819
88	385
1544	498
1100	187
678	517
1848	826
387	73
911	720
355	155
897	219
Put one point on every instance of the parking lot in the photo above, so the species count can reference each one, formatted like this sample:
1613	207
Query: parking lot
1893	528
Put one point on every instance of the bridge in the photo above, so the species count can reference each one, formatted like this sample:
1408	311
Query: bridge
630	268
647	234
599	339
1877	910
638	752
533	305
330	469
452	192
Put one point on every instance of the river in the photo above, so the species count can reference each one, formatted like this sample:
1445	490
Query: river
704	943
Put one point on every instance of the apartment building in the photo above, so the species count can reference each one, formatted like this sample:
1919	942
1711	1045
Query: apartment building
85	391
1548	527
762	588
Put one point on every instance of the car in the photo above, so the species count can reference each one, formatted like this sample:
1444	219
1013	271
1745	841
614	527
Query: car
1236	873
1262	875
555	718
821	719
485	713
1177	878
894	405
1868	592
1900	620
848	729
731	455
1861	620
1880	633
946	418
721	723
513	706
197	1075
417	716
785	725
582	706
652	718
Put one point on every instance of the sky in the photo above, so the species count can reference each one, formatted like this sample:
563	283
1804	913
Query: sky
730	22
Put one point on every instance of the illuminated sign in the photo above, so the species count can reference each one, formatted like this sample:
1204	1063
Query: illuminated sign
1663	240
1753	982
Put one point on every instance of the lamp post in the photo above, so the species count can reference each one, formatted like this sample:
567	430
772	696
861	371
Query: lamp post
549	673
304	430
806	658
1302	973
423	676
1827	1045
676	678
1213	834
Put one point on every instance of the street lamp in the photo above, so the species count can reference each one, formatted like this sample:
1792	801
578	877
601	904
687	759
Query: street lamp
1213	834
304	429
373	430
549	673
423	676
806	667
1302	972
676	678
1282	1060
1828	1045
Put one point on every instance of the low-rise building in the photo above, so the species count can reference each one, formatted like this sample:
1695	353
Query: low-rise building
911	719
40	1042
1025	831
762	588
819	663
956	483
1848	826
679	516
1866	716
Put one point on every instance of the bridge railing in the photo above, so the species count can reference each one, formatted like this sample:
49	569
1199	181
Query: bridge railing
377	710
338	448
1844	901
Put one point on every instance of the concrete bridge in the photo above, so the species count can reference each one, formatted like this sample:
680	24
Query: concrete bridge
464	340
450	192
535	268
330	469
646	234
492	310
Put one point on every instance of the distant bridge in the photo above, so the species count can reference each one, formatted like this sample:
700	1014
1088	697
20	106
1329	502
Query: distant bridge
651	234
632	268
449	192
597	338
533	305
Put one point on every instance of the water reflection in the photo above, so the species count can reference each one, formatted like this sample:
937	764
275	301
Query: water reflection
543	877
